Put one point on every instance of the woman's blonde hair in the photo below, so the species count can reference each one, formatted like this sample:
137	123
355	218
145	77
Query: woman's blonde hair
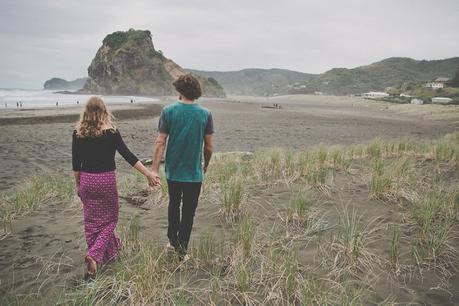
94	116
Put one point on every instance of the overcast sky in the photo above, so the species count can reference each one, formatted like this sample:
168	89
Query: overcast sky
58	38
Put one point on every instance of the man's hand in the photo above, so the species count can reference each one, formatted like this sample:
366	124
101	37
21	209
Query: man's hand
154	179
160	145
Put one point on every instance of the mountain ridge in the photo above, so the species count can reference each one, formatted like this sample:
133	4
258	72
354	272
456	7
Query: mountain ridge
376	76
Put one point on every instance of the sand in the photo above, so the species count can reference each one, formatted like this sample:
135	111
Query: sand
39	140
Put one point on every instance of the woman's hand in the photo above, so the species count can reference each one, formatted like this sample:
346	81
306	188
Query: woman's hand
77	189
153	179
77	182
152	176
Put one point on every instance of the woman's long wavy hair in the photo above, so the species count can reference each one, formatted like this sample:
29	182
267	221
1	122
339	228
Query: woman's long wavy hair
94	116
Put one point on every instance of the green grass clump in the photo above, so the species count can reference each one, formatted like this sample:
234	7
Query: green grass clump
318	177
339	159
298	208
350	244
206	249
434	216
35	191
390	182
375	149
446	151
232	195
245	236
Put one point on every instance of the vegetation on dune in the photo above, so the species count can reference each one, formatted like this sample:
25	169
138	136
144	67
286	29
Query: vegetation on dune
32	193
295	253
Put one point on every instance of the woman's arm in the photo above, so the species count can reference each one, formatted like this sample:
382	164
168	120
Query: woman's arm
133	160
77	178
76	162
123	150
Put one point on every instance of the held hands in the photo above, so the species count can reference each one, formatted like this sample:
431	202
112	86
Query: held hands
153	179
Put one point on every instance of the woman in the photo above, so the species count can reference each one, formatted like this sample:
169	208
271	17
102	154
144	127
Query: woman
95	141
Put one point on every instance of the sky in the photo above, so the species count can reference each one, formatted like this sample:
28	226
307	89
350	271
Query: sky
59	38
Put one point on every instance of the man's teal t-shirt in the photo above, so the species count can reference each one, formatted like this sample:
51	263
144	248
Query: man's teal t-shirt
186	124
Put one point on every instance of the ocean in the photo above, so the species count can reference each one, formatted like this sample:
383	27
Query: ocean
10	98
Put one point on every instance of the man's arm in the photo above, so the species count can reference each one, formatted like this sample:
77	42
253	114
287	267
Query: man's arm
160	145
208	149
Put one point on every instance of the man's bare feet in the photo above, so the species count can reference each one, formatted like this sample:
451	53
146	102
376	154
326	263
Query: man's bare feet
169	248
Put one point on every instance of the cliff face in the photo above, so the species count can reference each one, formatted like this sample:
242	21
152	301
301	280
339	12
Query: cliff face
128	64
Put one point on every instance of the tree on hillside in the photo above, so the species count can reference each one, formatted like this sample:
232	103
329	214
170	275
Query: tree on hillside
455	81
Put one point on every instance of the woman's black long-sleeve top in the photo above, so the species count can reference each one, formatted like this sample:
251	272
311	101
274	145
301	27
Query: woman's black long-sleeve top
97	154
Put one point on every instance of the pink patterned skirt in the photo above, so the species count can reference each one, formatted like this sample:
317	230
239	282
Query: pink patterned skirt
99	195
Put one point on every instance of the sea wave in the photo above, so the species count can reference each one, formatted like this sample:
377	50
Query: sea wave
13	98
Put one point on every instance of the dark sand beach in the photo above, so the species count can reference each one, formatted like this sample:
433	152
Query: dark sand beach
38	141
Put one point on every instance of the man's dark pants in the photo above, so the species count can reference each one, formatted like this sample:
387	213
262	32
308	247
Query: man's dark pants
179	229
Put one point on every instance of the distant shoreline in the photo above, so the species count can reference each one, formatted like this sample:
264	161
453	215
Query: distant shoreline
69	114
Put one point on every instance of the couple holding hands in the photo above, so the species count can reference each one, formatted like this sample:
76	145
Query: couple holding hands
186	128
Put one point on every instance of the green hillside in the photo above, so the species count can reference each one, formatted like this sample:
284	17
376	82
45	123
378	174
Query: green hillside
380	75
255	82
390	72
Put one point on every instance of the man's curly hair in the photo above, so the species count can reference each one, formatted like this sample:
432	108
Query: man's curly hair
188	86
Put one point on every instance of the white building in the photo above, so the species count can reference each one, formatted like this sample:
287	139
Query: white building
404	95
441	100
417	101
437	83
375	95
434	85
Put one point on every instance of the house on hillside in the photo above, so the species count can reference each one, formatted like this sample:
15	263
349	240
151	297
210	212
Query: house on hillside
437	83
375	95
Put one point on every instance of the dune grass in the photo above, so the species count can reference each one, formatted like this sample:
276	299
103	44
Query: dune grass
298	208
33	192
434	217
306	253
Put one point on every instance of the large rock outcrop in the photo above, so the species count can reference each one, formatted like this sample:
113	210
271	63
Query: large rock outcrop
128	64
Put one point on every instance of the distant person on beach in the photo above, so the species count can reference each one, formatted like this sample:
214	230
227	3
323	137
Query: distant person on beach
78	102
17	104
57	103
20	104
132	101
94	144
187	128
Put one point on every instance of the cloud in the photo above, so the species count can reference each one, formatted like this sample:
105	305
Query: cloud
42	39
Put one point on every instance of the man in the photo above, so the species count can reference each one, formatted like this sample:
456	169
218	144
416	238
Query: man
187	128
